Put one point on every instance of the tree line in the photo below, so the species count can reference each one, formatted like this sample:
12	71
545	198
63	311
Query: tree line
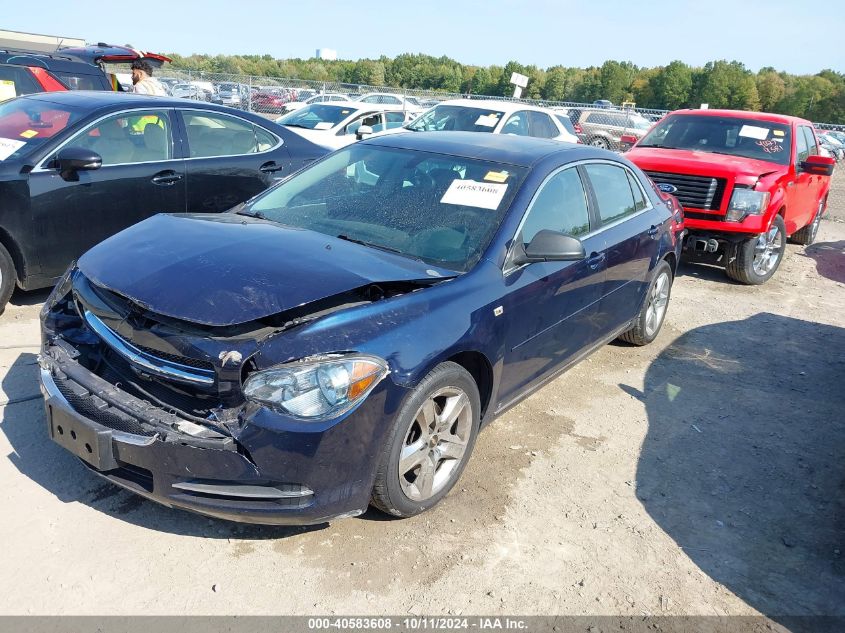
721	84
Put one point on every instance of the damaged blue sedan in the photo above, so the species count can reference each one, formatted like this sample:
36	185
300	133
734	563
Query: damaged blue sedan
338	340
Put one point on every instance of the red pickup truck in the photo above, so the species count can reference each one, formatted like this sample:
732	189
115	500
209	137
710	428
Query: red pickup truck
746	180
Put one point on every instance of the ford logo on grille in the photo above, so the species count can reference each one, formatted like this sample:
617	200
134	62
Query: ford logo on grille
665	187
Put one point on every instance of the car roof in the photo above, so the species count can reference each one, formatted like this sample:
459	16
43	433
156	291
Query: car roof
746	114
522	151
360	107
57	61
94	100
486	104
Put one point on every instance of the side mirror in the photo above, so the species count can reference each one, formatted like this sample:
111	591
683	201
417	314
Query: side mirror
551	246
71	160
818	165
627	141
363	130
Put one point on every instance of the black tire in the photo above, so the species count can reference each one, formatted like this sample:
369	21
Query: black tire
741	267
642	333
388	494
8	277
807	235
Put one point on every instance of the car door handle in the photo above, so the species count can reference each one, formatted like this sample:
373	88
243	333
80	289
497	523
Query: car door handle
653	231
269	168
166	178
595	260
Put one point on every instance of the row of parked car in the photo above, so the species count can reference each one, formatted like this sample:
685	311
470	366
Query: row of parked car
251	323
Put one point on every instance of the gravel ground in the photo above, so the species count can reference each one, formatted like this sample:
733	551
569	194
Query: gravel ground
700	475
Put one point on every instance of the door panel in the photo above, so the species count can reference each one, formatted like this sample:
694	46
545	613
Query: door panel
70	216
229	160
550	307
631	241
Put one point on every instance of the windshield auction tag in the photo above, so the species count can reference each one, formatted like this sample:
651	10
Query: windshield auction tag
9	146
324	125
755	132
28	134
496	176
471	193
487	120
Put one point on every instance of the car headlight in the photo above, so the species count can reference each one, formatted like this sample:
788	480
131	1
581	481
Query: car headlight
745	202
317	388
59	292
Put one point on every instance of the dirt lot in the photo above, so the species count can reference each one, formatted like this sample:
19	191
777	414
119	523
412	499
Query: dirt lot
701	475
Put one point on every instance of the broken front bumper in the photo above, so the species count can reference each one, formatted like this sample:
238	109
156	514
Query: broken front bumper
273	473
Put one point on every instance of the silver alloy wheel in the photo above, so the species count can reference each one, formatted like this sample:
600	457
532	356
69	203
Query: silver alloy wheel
814	228
658	299
767	250
599	142
435	443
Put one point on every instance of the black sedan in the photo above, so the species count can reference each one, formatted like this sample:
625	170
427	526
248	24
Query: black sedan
77	167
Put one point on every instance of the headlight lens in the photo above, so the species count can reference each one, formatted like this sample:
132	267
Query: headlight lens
745	202
317	388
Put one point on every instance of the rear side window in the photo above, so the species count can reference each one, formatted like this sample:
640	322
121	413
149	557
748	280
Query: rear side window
82	82
541	125
639	197
560	205
613	191
212	134
566	122
16	81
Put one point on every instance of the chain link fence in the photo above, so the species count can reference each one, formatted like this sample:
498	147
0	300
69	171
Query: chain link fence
611	127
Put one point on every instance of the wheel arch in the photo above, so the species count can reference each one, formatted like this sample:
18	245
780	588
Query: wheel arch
479	367
15	253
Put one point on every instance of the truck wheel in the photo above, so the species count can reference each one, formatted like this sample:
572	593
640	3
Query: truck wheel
7	277
758	258
430	443
650	319
598	141
807	235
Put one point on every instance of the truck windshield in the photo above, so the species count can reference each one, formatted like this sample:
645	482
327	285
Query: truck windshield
457	118
735	136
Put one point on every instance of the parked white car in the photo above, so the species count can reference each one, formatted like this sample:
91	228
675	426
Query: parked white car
496	117
327	97
388	98
188	91
335	125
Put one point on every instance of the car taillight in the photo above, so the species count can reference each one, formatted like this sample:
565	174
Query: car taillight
578	129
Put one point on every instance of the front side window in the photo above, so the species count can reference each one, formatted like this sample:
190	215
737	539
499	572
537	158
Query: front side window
802	146
441	209
373	120
812	147
213	134
560	205
612	190
136	137
517	124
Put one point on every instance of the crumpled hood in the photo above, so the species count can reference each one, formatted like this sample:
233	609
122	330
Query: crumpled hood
700	163
228	269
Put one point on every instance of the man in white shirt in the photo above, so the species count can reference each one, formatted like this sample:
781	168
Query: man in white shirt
143	82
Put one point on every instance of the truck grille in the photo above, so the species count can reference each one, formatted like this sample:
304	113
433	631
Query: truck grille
697	192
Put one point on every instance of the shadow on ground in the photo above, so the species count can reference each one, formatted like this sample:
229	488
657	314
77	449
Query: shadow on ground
830	259
744	461
29	298
37	457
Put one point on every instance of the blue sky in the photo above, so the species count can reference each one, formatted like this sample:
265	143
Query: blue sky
780	33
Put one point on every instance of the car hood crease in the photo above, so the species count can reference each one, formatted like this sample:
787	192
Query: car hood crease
224	270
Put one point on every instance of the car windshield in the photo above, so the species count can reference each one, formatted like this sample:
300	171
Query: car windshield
735	136
639	122
316	116
456	118
26	123
443	210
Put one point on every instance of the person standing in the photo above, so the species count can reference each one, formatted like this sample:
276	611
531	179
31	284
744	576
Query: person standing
143	82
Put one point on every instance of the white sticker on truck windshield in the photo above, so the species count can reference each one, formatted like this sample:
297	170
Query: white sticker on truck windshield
324	125
9	146
471	193
752	131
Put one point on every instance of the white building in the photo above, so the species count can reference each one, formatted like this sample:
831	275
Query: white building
326	53
36	42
